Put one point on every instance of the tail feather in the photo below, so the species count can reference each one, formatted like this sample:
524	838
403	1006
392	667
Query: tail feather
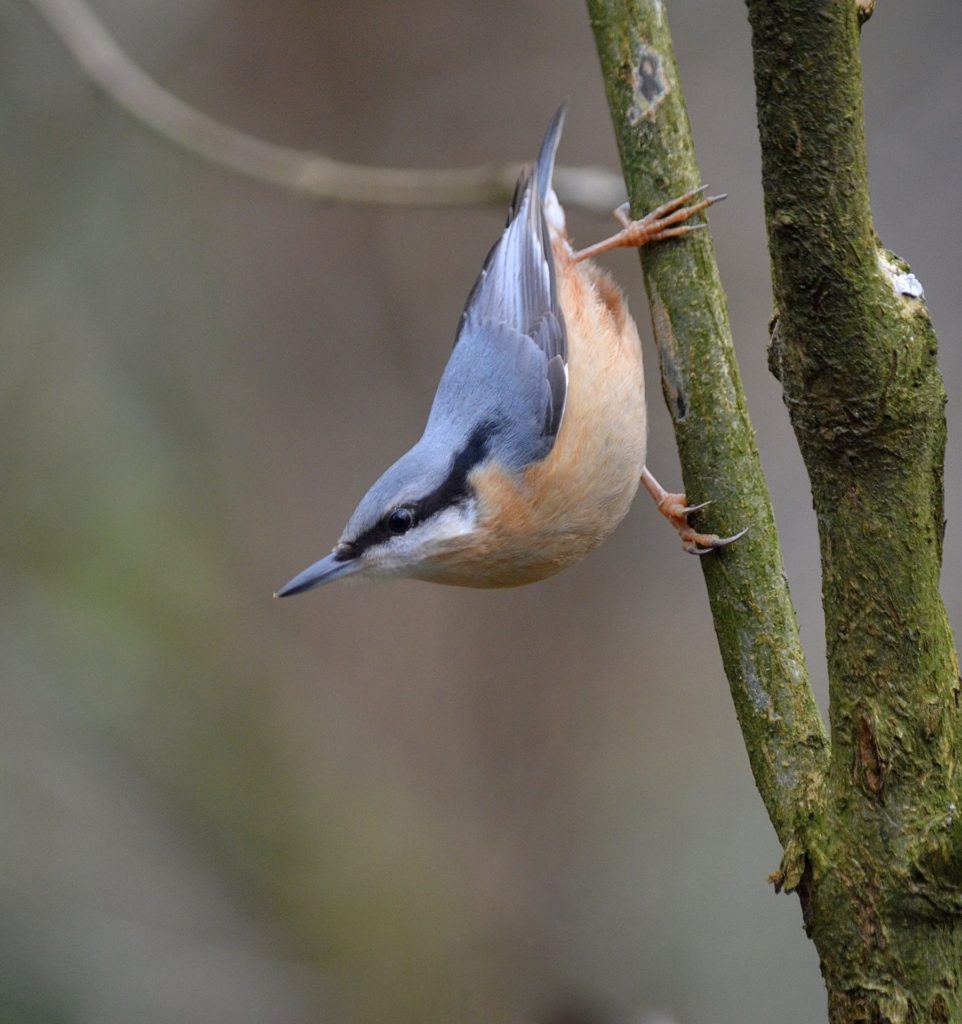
545	165
517	285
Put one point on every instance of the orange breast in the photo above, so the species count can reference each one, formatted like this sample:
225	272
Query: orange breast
533	524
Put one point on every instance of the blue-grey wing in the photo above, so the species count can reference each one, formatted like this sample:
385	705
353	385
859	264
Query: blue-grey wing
509	364
503	382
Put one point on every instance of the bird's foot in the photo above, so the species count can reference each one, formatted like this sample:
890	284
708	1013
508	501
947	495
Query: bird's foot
667	221
675	508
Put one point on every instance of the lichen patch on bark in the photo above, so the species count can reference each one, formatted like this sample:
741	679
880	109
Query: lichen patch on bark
649	86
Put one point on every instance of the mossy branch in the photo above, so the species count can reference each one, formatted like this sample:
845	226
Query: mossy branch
752	610
856	355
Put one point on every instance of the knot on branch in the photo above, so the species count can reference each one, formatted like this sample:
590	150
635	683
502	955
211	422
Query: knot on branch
937	861
774	348
870	769
672	378
791	870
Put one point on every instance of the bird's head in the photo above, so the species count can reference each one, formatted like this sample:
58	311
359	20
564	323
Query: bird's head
422	511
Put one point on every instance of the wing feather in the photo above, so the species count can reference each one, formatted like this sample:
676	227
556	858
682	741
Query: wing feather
509	363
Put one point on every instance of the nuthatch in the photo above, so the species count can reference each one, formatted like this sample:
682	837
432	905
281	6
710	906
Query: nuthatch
535	443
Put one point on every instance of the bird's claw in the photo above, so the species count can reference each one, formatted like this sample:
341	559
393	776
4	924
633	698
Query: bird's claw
692	541
666	221
707	543
675	508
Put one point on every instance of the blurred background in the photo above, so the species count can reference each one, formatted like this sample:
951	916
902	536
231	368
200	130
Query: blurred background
400	803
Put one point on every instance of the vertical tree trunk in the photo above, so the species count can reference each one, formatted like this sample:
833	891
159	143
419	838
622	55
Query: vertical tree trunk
856	355
872	836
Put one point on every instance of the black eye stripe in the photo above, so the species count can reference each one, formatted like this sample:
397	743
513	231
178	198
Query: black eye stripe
455	487
452	491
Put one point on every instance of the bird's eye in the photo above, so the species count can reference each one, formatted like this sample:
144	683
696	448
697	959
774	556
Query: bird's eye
400	521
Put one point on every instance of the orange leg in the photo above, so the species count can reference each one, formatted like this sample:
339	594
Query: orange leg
667	221
676	510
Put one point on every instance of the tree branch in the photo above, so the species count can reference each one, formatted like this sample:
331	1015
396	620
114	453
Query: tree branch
856	355
305	173
752	610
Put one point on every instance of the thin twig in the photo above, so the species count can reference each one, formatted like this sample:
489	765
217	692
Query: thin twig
306	173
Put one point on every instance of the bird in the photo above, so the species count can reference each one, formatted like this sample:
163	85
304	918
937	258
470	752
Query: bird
535	443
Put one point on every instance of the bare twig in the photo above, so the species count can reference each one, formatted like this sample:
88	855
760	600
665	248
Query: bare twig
306	173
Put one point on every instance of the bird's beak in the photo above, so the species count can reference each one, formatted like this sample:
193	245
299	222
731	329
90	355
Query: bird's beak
325	571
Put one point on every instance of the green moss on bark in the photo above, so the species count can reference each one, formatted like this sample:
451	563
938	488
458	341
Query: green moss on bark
751	607
872	834
856	355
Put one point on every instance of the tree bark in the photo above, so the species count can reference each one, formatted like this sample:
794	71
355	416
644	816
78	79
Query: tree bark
751	607
856	355
870	828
